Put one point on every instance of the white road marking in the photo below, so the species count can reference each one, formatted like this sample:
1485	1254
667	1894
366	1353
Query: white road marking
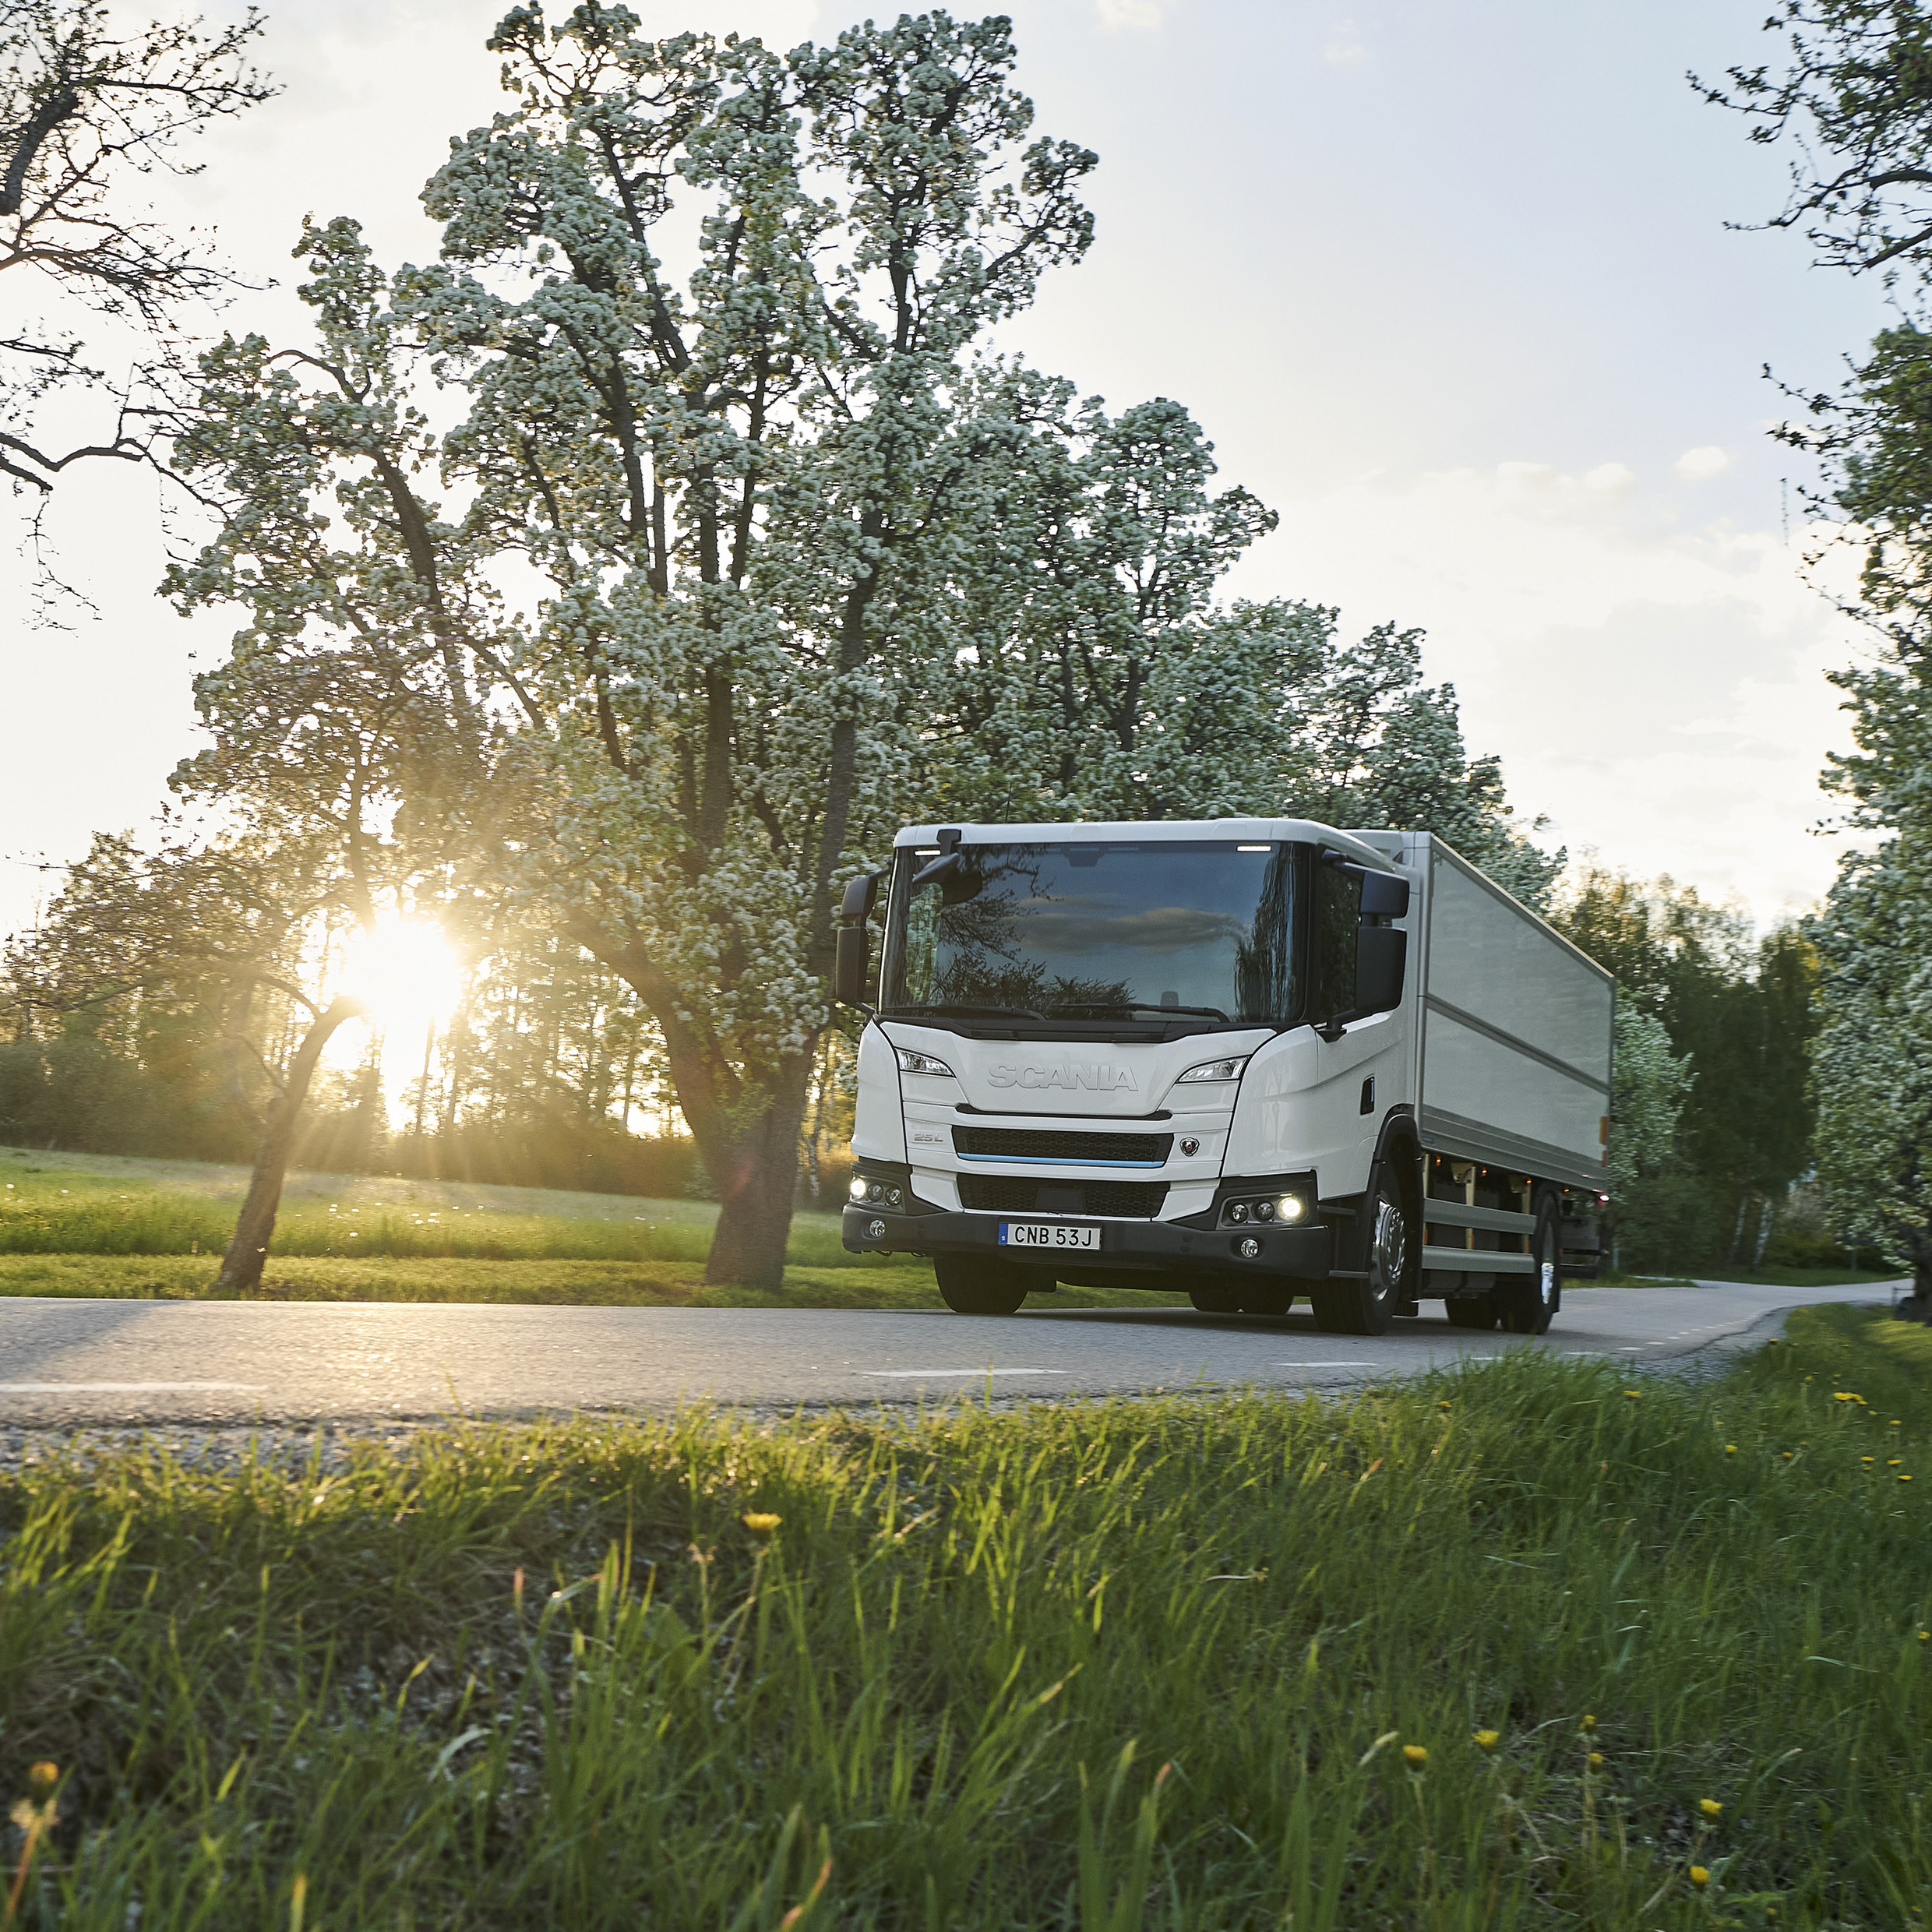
1324	1365
887	1374
114	1388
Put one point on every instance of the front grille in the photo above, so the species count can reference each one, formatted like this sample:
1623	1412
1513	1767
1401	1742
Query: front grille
1123	1200
1023	1143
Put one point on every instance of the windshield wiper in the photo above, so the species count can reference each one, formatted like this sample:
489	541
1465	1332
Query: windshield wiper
1139	1005
971	1013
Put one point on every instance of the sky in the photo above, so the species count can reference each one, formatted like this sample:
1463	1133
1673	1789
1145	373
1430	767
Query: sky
1451	289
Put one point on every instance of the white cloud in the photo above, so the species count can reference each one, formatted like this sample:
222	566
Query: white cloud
1657	690
1696	466
1345	48
1137	14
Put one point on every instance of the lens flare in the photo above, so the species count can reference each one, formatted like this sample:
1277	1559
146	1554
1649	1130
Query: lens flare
405	971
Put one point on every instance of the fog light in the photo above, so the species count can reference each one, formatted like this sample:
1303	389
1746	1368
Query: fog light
857	1190
876	1229
1237	1211
1247	1247
894	1197
1289	1208
1264	1210
876	1192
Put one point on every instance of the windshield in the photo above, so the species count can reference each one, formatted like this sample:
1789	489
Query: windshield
1200	928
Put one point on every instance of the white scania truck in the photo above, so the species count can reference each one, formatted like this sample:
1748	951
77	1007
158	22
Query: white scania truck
1247	1058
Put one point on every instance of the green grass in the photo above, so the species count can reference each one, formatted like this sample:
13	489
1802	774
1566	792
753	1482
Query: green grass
1134	1665
903	1282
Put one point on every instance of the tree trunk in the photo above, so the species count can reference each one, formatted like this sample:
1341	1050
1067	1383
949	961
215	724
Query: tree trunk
255	1226
1737	1233
1767	1220
753	1163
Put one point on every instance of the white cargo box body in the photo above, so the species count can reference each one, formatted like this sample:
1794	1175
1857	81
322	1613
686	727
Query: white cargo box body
1514	1025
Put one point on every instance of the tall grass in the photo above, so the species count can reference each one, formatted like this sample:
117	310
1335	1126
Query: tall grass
1123	1666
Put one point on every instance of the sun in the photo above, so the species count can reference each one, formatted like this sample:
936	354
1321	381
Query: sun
405	971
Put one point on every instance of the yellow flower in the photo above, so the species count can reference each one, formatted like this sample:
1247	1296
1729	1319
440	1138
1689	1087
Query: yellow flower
1700	1876
760	1522
43	1776
1903	1477
1925	1637
1634	1394
1589	1723
1844	1398
1416	1755
1892	1462
1709	1806
1868	1459
1596	1760
1787	1455
1488	1740
1730	1448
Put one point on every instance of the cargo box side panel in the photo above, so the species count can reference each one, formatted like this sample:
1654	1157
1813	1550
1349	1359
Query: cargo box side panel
1488	1101
1516	1028
1490	959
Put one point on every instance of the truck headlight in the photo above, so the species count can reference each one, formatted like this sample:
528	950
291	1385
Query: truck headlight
1290	1207
856	1188
1213	1069
912	1062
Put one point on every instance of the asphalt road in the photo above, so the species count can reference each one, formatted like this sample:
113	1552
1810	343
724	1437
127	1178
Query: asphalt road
68	1362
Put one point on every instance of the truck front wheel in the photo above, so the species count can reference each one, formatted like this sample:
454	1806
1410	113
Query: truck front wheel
1527	1302
969	1284
1368	1306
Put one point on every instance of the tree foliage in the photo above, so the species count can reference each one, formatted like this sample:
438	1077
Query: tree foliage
1723	1050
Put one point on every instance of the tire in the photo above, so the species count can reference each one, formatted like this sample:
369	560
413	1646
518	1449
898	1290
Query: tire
1527	1303
1470	1311
1394	1255
972	1286
1212	1299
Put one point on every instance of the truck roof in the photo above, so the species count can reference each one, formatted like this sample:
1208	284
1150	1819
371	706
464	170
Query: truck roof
1158	831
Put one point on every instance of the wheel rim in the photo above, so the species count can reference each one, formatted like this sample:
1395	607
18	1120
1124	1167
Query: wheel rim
1391	1243
1547	1274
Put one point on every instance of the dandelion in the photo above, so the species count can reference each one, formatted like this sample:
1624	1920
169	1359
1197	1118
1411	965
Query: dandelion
1700	1876
760	1522
1903	1477
43	1777
1730	1448
1868	1459
1633	1395
1596	1760
1892	1462
1589	1723
1843	1398
1787	1455
1416	1756
1709	1806
1486	1741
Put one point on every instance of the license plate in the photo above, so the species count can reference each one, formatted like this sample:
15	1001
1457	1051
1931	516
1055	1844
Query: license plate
1047	1234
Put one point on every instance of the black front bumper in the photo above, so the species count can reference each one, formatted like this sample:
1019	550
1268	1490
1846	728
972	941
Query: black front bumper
1134	1247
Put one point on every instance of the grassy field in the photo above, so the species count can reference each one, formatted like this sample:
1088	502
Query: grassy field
1516	1647
123	1227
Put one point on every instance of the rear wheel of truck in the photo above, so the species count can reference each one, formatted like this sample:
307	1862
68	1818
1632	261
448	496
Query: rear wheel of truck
969	1284
1368	1306
1527	1302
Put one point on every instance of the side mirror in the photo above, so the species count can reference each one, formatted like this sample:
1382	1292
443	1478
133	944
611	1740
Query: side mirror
1381	959
850	958
860	894
848	966
1384	895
